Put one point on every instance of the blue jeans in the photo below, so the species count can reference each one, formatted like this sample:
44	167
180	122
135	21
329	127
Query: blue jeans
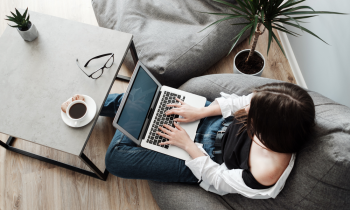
125	159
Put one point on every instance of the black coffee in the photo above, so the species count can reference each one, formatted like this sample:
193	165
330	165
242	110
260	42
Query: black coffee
77	110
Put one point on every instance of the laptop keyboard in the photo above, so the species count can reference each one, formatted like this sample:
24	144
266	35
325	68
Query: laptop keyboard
161	118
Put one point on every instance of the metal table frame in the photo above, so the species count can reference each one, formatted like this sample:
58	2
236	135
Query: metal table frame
96	172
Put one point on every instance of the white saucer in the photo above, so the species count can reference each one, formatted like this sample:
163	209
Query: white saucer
90	115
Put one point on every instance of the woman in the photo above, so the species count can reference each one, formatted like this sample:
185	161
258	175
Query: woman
258	148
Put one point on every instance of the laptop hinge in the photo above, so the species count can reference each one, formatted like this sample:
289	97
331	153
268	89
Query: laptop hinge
150	114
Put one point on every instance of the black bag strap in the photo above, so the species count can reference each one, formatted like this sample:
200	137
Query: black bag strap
217	145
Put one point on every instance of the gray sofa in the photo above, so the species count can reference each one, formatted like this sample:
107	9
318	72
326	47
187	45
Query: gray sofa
166	34
320	178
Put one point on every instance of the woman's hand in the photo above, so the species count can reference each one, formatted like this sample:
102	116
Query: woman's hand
189	113
78	97
177	136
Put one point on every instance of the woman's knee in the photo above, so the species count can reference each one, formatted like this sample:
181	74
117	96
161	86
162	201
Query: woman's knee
116	162
111	105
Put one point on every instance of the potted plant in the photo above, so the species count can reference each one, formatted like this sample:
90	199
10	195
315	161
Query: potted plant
260	15
25	28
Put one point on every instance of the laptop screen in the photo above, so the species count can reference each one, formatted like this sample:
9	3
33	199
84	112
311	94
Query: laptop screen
138	103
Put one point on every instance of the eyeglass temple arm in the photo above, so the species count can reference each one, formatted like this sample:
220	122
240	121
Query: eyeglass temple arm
99	56
81	68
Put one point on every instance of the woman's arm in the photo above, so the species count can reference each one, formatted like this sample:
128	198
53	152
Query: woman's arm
190	113
212	110
228	106
220	178
221	106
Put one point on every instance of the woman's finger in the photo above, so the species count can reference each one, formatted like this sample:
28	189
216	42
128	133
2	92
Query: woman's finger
179	100
164	130
167	143
163	135
169	127
177	105
172	111
178	126
181	120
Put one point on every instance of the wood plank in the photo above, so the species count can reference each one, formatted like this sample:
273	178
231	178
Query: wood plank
13	176
3	174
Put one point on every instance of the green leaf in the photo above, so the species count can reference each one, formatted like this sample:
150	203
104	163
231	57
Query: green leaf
281	26
18	14
224	14
262	16
233	6
224	2
15	16
10	19
252	31
16	26
216	22
255	8
279	2
244	3
25	13
229	15
243	6
27	18
269	28
236	12
297	8
295	22
239	24
289	4
10	16
250	5
286	31
279	44
313	13
296	18
239	35
247	26
240	9
299	21
304	29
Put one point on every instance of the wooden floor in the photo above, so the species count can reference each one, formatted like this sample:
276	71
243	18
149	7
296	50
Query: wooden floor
26	183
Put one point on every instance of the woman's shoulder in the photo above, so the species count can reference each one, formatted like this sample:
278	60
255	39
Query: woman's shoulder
267	168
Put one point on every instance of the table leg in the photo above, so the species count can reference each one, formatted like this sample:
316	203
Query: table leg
124	78
3	145
93	167
134	57
96	172
133	52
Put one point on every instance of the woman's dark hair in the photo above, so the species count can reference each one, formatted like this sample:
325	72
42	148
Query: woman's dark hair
281	115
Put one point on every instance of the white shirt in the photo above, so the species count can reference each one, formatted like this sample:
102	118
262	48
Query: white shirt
218	178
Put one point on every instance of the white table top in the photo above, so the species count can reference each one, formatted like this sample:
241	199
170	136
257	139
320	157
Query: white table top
37	77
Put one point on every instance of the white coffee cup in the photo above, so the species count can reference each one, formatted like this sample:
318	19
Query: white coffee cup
76	120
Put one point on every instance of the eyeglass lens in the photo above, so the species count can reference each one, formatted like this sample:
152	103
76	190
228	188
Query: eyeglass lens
110	62
97	74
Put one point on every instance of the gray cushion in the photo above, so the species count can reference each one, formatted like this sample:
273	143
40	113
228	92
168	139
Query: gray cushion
178	196
166	34
320	177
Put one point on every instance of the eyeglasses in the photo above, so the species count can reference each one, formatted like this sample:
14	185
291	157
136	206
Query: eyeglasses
98	73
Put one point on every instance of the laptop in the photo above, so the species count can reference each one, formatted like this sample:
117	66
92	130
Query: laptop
143	109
